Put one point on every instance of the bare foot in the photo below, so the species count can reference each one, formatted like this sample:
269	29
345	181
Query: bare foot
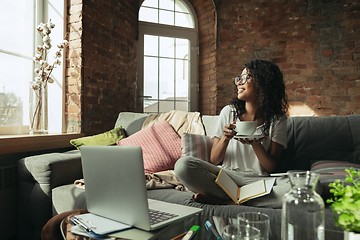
205	198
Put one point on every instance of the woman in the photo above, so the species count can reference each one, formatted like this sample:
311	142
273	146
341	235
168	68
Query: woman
260	97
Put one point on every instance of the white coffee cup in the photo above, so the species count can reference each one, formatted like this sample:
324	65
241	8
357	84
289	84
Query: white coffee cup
245	127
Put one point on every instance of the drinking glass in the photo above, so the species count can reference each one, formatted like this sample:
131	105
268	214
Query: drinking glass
258	220
234	232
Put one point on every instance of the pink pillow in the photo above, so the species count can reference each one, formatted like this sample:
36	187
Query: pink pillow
160	145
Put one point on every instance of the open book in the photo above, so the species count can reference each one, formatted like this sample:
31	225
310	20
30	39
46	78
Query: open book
244	193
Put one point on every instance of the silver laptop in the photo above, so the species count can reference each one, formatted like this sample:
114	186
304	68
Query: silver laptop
115	188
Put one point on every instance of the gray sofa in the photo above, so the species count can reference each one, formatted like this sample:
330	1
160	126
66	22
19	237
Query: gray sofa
46	181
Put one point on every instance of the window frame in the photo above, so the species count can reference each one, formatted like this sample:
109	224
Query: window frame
157	29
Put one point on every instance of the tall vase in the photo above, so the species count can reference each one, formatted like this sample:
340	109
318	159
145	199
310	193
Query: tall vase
39	110
303	209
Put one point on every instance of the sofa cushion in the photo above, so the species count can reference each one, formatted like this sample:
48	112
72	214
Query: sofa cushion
160	145
102	139
336	169
131	122
67	197
320	138
196	145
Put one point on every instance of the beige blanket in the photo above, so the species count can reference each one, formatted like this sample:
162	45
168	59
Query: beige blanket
189	122
165	179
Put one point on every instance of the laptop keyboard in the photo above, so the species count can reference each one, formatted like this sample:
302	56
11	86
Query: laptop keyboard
157	216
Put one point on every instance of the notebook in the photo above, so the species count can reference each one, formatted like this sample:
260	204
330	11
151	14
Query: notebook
115	188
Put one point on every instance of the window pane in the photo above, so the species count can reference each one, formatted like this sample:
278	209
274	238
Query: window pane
166	17
150	106
182	106
148	15
151	45
151	77
166	13
166	47
166	106
150	3
182	48
55	90
17	30
166	78
182	78
183	20
167	4
14	90
180	7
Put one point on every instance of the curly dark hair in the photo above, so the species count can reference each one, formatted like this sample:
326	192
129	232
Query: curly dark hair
271	95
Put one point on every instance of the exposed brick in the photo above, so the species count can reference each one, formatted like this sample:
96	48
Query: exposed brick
77	17
326	52
353	105
299	46
75	8
319	56
354	91
317	98
302	66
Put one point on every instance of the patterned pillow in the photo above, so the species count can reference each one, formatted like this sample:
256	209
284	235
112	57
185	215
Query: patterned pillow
336	170
196	145
160	145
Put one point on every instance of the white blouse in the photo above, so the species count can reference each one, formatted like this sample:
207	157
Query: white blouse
241	157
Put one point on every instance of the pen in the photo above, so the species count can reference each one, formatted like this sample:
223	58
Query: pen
76	222
208	226
191	233
179	237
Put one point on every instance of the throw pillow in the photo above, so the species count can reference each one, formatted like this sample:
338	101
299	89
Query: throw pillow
102	139
160	145
196	145
335	170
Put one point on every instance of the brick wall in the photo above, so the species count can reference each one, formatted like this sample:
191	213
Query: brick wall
315	44
206	14
73	71
101	66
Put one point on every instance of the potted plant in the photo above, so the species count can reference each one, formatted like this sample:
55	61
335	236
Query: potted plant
346	203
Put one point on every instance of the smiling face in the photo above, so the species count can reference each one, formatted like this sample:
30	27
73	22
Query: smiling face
246	92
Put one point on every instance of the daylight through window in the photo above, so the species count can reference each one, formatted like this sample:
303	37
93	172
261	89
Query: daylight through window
17	49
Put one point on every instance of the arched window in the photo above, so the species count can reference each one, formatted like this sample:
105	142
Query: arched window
168	56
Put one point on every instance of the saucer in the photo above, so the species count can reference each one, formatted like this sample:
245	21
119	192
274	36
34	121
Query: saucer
249	136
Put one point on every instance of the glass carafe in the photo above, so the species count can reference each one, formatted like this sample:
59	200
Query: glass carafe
303	208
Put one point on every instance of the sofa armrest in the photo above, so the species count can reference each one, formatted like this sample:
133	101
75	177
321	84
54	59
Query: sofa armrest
38	175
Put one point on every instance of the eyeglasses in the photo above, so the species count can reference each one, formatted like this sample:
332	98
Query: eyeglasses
242	79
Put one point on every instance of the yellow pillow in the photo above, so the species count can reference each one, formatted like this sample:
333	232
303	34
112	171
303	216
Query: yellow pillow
102	139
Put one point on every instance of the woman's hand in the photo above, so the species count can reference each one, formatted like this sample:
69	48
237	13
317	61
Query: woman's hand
229	130
252	141
220	144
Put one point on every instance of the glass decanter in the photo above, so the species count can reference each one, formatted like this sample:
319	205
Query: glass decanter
303	210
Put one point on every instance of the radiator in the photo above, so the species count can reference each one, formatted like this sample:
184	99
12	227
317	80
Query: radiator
8	201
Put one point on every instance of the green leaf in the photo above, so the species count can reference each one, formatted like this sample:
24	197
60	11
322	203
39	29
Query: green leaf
348	179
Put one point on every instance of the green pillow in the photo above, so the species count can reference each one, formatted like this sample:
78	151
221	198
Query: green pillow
102	139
